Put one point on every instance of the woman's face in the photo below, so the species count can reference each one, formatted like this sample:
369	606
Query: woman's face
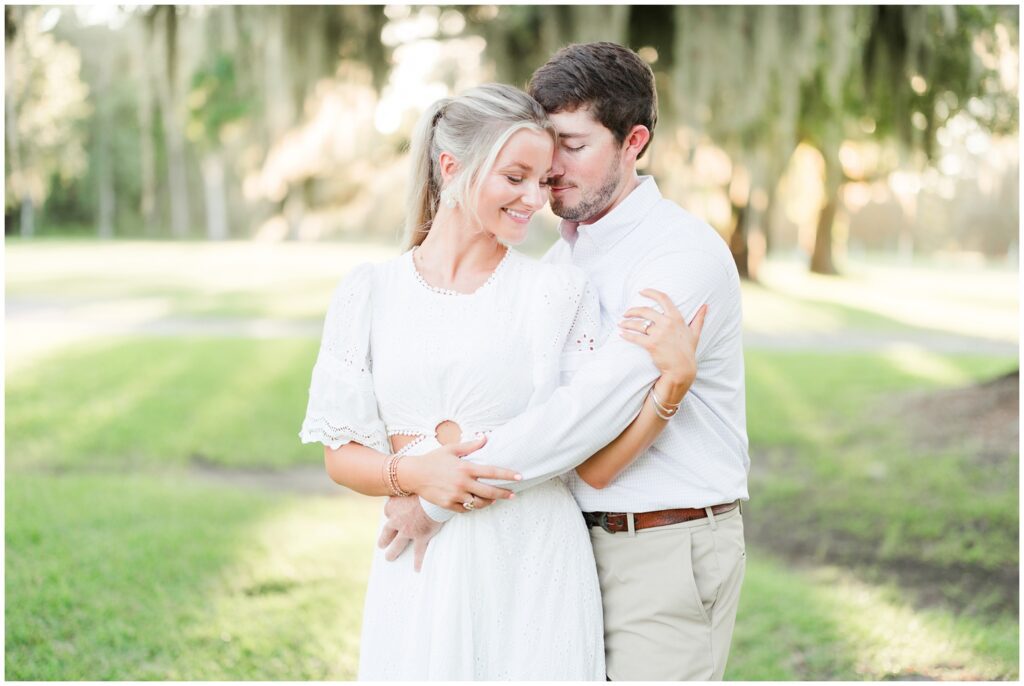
516	185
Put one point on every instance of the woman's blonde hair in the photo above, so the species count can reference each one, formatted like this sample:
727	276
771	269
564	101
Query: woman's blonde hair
473	127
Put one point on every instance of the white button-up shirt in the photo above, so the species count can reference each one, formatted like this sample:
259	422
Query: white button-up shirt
701	457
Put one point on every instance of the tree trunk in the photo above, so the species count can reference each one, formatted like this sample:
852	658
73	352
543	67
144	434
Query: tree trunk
738	239
106	201
822	261
277	82
28	217
216	196
173	135
601	22
147	152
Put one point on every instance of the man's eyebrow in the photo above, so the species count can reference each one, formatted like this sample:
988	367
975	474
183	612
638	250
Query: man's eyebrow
572	135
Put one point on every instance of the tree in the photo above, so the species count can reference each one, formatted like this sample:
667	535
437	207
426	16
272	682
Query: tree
164	19
736	75
916	67
45	102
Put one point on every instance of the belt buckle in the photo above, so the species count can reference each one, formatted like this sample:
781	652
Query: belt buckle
602	521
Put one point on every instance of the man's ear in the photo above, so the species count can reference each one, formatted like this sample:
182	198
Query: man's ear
449	166
635	141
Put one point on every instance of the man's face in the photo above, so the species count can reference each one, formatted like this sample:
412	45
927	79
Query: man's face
587	171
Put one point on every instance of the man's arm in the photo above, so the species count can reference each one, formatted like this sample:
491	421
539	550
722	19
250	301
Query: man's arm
608	391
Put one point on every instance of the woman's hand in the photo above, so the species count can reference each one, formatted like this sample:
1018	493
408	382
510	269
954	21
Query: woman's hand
670	341
445	479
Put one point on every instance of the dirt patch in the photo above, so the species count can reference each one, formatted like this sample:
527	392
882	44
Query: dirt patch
311	479
979	423
986	415
970	589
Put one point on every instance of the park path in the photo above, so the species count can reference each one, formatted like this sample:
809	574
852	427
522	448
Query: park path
37	327
40	325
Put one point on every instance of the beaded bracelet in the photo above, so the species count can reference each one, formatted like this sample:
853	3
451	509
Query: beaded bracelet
392	469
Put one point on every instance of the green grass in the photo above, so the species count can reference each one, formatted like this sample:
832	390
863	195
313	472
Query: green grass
146	403
824	623
122	563
837	476
804	398
120	576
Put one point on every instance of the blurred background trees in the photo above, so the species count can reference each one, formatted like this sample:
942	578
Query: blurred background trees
819	131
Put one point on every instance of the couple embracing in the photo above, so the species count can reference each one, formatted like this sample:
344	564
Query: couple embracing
564	502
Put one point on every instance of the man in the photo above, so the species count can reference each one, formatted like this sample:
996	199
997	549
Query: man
668	532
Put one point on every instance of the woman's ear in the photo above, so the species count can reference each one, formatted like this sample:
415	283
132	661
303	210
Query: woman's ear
449	166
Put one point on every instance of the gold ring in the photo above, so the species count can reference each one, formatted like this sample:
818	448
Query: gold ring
469	504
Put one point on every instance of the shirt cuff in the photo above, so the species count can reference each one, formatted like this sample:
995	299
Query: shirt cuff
438	514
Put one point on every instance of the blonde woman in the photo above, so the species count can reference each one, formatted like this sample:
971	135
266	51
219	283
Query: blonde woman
439	346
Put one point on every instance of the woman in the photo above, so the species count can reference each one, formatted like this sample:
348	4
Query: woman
440	345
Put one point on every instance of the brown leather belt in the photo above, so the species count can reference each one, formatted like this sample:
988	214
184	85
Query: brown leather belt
616	522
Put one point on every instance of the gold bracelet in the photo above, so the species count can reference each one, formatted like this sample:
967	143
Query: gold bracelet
665	406
396	490
666	417
665	412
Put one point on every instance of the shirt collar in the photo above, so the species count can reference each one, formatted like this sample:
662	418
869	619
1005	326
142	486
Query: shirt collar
624	217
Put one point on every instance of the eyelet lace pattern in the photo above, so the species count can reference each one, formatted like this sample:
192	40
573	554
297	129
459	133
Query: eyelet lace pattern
446	291
479	362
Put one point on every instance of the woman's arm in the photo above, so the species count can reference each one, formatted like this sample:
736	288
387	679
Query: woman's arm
363	470
357	467
673	347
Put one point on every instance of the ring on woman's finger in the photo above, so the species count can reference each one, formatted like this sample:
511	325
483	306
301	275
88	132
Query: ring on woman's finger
470	504
647	325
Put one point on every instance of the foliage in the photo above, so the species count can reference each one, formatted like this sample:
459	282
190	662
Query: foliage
215	101
46	101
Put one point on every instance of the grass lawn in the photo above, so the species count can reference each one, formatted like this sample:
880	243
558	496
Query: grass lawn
146	577
121	564
839	474
878	546
293	281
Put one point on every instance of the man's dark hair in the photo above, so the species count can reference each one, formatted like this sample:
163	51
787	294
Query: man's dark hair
608	78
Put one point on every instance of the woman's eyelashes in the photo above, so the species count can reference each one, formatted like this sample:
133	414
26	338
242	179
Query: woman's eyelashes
516	180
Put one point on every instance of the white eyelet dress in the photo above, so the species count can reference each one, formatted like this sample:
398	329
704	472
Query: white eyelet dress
509	592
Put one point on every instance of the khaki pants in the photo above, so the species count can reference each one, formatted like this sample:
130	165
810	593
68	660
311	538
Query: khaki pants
670	595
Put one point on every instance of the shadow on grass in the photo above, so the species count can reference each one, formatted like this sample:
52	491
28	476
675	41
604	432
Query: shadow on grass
103	573
155	402
840	474
822	623
138	578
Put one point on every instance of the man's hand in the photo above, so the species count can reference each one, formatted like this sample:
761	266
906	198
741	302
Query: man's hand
407	522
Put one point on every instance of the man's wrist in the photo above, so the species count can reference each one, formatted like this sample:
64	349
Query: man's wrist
438	514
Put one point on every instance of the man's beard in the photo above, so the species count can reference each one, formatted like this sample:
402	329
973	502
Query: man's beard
588	206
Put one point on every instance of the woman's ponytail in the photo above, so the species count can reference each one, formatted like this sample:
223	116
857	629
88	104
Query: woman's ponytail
425	179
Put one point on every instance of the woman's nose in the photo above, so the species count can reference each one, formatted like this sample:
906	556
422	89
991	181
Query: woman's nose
535	196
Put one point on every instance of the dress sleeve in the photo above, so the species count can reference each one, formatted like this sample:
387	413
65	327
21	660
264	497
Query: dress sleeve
342	405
